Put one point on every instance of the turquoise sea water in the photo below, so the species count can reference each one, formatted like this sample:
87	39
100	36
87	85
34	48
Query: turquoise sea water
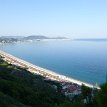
83	60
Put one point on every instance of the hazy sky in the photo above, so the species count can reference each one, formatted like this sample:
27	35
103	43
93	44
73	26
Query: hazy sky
73	18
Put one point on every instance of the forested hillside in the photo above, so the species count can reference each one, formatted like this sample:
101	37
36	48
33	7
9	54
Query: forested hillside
20	88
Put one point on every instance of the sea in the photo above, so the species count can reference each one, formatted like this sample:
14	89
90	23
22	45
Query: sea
79	59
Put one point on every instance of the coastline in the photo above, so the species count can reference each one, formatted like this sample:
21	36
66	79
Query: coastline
41	71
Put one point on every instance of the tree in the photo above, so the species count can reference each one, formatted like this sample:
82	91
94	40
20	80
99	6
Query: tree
101	96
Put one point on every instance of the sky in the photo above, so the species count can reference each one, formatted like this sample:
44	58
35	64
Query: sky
69	18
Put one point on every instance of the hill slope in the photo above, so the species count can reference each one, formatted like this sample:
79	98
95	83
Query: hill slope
20	87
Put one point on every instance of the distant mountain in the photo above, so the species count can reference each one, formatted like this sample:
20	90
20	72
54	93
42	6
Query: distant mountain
11	39
15	37
8	40
32	37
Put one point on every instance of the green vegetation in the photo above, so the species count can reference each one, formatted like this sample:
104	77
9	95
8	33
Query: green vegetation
20	88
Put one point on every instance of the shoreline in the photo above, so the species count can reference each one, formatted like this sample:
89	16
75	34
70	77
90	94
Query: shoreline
41	71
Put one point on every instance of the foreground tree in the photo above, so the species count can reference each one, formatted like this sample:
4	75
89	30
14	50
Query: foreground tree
101	96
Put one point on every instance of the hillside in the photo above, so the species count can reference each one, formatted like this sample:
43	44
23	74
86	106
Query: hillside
33	37
20	88
13	39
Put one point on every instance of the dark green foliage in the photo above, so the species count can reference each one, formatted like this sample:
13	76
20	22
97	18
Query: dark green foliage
20	88
19	85
101	96
86	91
70	104
7	101
86	94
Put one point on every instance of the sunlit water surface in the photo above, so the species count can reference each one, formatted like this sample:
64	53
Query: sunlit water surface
83	60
